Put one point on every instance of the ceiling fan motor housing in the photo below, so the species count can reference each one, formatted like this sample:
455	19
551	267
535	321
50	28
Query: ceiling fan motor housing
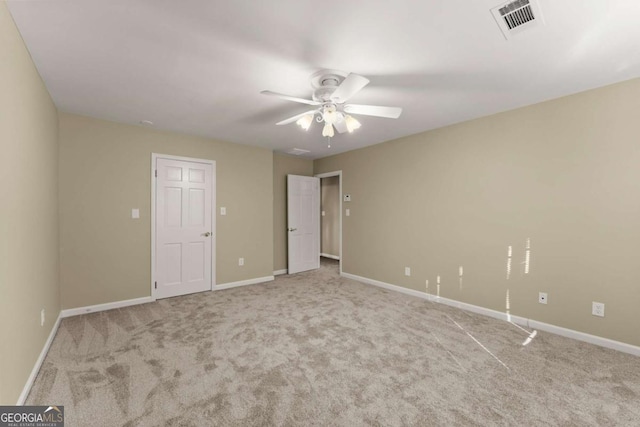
323	94
325	82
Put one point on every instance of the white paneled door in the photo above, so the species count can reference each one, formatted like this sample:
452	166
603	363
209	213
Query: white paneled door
184	227
303	223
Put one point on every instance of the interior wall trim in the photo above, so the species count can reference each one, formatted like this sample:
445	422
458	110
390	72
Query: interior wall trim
38	364
280	272
103	307
243	283
529	323
126	303
330	256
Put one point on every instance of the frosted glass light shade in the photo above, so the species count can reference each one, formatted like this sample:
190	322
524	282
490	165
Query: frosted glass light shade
352	124
327	130
305	121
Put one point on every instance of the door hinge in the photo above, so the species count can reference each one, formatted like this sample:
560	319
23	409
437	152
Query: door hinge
156	173
156	285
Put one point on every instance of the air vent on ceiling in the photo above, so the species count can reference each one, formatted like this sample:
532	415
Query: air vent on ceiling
298	151
517	16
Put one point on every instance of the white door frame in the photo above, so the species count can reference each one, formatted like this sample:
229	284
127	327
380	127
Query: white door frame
339	175
154	158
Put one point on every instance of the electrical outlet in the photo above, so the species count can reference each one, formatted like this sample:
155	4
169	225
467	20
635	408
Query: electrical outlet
240	262
407	271
42	317
597	309
542	297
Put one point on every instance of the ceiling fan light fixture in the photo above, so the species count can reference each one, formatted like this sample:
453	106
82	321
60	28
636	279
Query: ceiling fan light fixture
352	124
331	90
305	121
328	130
329	114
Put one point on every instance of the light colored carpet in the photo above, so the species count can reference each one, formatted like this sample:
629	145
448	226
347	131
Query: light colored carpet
317	349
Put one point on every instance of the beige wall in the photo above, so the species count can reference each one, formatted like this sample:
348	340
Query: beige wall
28	212
563	173
105	172
330	220
282	166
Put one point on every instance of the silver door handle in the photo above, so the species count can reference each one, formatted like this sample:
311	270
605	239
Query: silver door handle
292	229
207	234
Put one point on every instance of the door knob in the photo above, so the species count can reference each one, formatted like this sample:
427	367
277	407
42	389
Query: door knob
207	234
292	229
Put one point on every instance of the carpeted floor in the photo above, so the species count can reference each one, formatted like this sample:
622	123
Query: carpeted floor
317	349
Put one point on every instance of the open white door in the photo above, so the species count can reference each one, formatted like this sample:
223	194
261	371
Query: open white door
184	227
303	223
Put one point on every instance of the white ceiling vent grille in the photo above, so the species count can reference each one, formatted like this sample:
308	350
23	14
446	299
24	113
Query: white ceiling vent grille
517	16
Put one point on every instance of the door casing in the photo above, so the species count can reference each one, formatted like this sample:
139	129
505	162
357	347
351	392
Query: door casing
339	175
154	158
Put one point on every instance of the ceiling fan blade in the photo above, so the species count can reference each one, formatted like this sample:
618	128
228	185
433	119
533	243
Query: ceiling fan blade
295	118
373	110
290	98
349	87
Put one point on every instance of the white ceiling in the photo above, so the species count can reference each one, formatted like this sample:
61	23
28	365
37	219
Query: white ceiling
198	66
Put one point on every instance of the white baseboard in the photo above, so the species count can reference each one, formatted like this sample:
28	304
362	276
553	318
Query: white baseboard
102	307
386	285
243	283
38	364
581	336
330	256
530	323
126	303
279	272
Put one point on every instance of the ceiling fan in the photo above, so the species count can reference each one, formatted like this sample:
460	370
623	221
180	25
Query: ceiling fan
331	90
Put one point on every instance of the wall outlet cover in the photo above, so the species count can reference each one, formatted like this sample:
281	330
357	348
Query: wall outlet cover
543	297
597	309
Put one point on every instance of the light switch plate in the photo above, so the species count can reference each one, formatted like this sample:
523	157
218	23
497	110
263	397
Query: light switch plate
348	212
223	211
322	213
135	213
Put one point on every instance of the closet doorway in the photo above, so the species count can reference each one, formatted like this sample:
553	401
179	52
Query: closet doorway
331	215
